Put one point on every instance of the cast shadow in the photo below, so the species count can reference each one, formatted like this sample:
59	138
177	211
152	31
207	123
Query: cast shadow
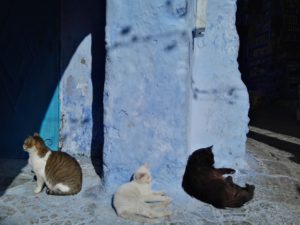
279	144
79	20
29	74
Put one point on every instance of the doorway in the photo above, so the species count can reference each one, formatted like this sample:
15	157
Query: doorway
269	62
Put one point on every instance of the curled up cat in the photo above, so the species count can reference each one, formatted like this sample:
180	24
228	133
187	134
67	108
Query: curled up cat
206	183
136	201
59	171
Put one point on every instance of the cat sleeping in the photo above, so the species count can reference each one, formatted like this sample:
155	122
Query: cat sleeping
206	183
59	171
136	201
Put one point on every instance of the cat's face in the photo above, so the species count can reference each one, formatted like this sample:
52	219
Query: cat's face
143	175
29	143
33	142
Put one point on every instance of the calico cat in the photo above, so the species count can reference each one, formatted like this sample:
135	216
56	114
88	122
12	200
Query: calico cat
206	183
136	201
59	171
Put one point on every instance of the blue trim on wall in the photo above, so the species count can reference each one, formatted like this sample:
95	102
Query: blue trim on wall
49	130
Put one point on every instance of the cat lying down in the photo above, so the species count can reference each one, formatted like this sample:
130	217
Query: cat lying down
206	183
59	171
136	201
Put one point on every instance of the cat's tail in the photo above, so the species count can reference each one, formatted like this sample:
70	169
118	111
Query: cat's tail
245	195
61	193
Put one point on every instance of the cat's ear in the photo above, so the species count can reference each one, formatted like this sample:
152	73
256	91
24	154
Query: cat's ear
210	147
147	165
36	134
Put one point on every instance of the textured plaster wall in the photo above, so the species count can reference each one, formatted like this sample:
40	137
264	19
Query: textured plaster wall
147	87
76	101
83	73
165	95
219	97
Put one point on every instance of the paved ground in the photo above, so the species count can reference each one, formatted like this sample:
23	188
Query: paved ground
275	173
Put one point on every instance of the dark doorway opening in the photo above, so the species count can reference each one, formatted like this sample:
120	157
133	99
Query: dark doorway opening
269	61
37	41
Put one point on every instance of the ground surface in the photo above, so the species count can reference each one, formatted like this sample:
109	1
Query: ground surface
274	172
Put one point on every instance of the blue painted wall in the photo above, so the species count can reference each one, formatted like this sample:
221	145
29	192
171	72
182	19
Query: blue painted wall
37	42
49	130
34	54
83	58
219	103
147	87
147	97
167	94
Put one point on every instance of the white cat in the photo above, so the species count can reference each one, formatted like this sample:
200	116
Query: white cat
135	200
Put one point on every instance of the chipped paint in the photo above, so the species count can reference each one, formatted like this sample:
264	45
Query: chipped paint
76	102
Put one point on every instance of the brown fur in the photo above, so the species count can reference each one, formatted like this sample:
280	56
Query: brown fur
60	167
206	183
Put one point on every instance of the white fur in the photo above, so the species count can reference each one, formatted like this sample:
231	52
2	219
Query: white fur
132	200
38	165
61	187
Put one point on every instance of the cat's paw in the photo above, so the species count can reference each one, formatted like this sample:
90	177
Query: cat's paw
250	187
48	192
161	193
231	171
167	213
37	190
167	200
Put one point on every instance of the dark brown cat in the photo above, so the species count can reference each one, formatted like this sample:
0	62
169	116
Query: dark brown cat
59	171
206	183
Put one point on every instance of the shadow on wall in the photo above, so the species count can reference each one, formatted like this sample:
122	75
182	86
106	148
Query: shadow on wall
78	19
37	41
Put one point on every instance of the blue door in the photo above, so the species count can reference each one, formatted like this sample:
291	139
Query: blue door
29	73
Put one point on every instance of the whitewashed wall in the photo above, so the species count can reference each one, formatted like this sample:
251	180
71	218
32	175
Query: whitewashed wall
219	114
147	87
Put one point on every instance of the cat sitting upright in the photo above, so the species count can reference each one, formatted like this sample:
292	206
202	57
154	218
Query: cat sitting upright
59	171
136	201
206	183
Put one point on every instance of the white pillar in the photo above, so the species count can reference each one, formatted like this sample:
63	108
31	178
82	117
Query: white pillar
219	114
147	87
